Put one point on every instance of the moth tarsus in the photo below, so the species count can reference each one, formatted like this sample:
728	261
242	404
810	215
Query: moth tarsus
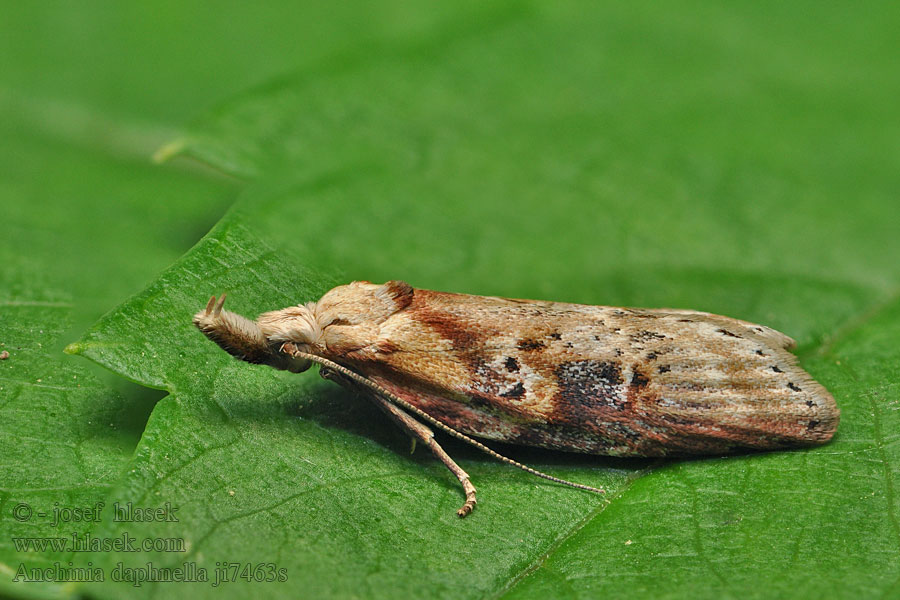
593	379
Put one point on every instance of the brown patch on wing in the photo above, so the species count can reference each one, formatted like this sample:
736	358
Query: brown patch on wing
425	308
486	387
474	415
400	292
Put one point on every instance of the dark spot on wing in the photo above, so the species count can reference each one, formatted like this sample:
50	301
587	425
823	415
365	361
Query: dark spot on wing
512	365
646	336
776	369
664	368
813	424
591	383
555	336
517	391
530	345
810	403
639	379
652	356
794	387
760	352
728	333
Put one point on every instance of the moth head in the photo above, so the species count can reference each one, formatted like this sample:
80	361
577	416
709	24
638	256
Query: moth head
243	338
340	321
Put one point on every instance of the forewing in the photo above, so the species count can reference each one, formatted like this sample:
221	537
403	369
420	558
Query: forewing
597	379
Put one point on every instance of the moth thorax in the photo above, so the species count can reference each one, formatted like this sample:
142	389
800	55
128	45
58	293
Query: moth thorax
297	324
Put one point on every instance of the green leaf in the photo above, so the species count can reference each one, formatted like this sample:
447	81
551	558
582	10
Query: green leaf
113	69
65	432
739	160
684	158
83	226
320	478
64	436
493	120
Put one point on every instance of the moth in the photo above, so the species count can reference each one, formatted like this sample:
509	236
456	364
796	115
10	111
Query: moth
592	379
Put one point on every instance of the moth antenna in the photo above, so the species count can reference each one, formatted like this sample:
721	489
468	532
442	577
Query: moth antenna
394	399
210	304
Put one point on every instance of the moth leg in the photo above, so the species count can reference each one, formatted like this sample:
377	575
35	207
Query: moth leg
422	432
416	431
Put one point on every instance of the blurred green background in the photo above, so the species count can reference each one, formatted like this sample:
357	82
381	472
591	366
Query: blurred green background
741	159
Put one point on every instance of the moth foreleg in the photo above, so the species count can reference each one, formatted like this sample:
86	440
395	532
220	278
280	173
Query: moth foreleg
416	431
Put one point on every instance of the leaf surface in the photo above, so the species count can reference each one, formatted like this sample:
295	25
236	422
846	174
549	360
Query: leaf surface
731	160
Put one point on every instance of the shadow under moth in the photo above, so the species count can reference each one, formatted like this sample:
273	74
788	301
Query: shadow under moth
592	379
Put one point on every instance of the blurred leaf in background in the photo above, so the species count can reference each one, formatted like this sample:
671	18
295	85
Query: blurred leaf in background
739	159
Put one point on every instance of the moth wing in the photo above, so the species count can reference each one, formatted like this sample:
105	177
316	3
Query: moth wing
601	380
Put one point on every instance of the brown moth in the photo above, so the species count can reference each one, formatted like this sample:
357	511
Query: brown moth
593	379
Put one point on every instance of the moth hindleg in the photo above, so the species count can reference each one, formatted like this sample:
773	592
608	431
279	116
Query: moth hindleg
416	431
